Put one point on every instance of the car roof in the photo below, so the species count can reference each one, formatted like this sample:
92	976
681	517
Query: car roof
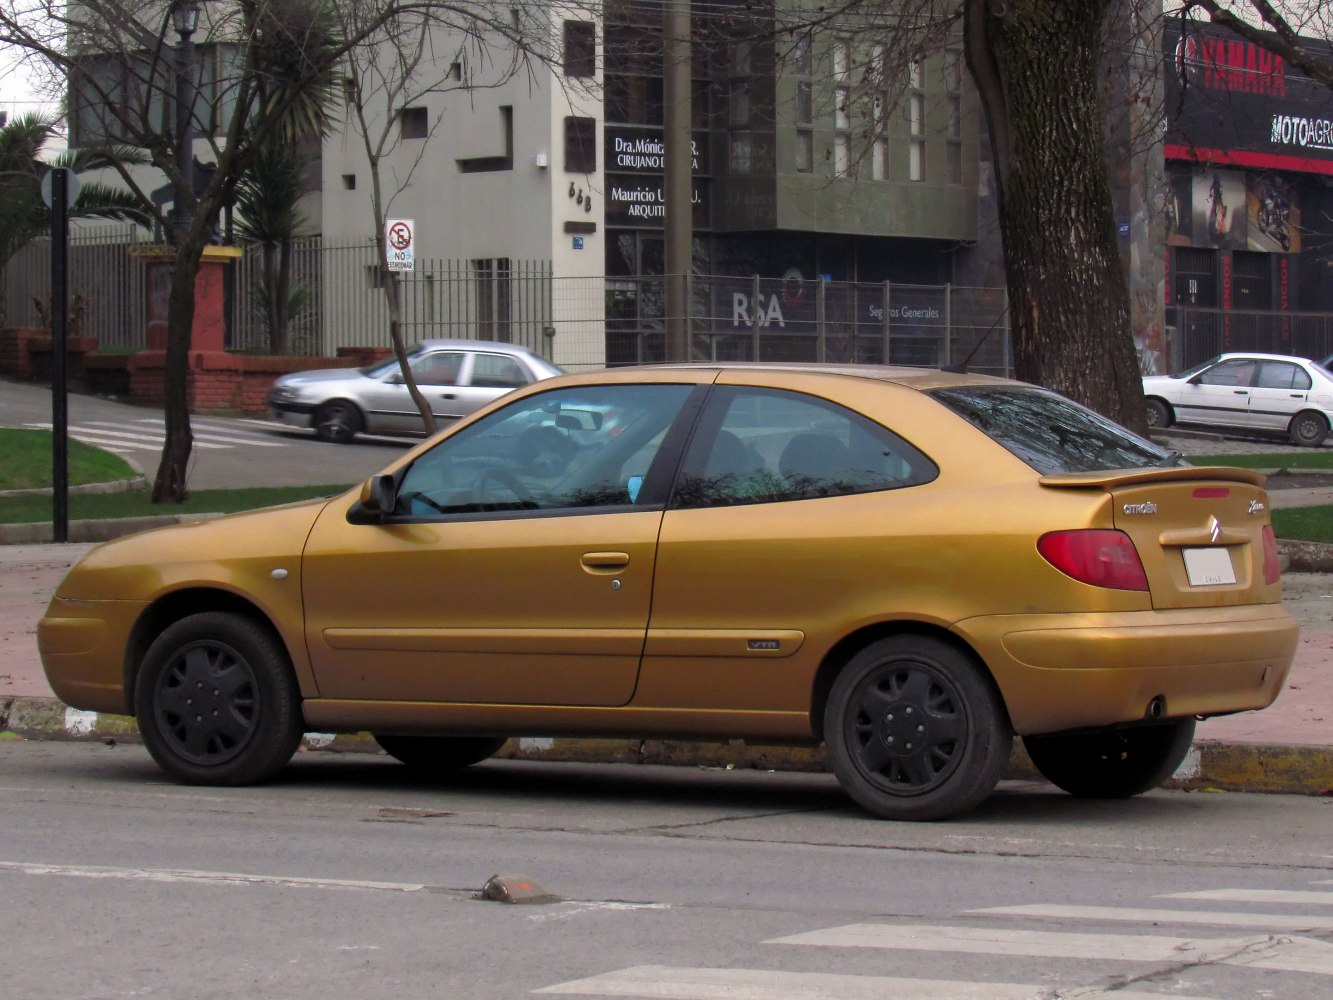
916	378
1260	356
475	345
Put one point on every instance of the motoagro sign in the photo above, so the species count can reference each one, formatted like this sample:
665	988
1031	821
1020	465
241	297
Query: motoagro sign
1231	101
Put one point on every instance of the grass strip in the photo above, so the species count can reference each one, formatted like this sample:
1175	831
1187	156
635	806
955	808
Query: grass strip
1270	460
1304	524
138	503
25	461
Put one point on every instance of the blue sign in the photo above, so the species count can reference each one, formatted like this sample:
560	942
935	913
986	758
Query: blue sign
1124	228
578	242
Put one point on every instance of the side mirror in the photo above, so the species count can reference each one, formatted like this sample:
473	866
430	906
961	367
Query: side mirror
379	494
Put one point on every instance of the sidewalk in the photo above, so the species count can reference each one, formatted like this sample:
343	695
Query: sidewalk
1286	748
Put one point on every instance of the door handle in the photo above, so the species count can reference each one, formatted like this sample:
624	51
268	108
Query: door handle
446	395
604	562
1241	392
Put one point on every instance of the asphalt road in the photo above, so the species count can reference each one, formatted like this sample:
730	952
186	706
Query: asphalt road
228	452
349	878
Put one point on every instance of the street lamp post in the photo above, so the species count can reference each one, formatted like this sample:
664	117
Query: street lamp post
185	19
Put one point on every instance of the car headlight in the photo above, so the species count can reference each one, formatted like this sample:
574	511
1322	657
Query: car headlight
283	393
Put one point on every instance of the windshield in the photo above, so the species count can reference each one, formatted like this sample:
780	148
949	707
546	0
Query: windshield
390	363
1191	372
1051	433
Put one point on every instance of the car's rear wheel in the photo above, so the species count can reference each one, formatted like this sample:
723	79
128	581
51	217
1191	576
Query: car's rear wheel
1114	763
338	421
216	701
1159	414
916	730
439	753
1308	430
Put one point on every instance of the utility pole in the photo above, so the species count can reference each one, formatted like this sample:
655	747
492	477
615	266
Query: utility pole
679	180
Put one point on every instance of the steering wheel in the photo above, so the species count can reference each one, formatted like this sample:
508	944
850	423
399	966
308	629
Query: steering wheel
494	475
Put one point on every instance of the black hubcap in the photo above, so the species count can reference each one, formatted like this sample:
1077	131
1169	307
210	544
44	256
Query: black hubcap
206	704
906	727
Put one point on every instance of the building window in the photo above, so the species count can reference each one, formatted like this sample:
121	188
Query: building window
580	49
879	137
916	127
581	145
349	91
1252	279
802	66
413	123
842	107
953	137
1196	276
349	182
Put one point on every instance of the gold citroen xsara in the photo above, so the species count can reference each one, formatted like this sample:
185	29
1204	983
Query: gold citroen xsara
908	565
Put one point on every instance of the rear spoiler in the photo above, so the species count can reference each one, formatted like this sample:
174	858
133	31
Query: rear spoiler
1109	479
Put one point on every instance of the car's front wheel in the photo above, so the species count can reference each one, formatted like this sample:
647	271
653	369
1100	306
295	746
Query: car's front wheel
1308	430
1159	414
338	422
916	730
1113	763
216	701
439	753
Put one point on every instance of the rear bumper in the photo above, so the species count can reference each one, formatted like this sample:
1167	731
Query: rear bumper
1060	672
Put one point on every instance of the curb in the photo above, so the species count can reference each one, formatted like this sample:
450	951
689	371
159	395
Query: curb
1209	766
42	532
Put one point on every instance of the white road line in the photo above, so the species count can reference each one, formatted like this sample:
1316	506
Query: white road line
1261	951
1258	921
661	982
200	432
1043	944
215	878
1256	896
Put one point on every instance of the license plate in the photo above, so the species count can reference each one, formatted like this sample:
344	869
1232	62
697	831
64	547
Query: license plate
1209	567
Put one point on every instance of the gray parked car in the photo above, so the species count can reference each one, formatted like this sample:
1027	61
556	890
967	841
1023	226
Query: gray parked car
456	377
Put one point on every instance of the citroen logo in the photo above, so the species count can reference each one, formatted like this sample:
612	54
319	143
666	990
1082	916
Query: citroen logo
1214	528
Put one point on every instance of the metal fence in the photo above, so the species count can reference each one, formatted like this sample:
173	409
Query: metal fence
788	319
1200	334
583	322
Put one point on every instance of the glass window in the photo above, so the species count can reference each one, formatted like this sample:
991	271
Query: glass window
497	371
769	445
585	446
1051	433
414	123
580	48
1237	371
581	145
437	368
1283	375
805	151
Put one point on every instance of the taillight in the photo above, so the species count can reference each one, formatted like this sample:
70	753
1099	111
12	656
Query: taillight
1272	564
1095	556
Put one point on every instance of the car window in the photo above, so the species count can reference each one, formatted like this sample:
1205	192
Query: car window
390	364
1236	371
585	446
497	371
437	368
768	445
1282	375
1051	433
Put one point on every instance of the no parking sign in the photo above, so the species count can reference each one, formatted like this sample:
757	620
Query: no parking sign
399	244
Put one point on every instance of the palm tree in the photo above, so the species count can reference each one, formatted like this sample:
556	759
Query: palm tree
267	197
23	215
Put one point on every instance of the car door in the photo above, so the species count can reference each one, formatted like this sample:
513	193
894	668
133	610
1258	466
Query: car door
1220	395
1280	392
488	376
436	374
764	546
517	565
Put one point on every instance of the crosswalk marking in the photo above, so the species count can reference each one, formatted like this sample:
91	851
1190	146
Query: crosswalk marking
149	435
1272	921
1262	951
663	982
1044	944
1298	896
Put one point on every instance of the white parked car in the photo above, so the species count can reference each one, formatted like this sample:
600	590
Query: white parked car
456	377
1258	393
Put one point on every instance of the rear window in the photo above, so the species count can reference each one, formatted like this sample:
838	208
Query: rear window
1051	433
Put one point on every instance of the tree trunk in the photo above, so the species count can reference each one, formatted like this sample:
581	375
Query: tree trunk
389	283
171	484
1036	64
